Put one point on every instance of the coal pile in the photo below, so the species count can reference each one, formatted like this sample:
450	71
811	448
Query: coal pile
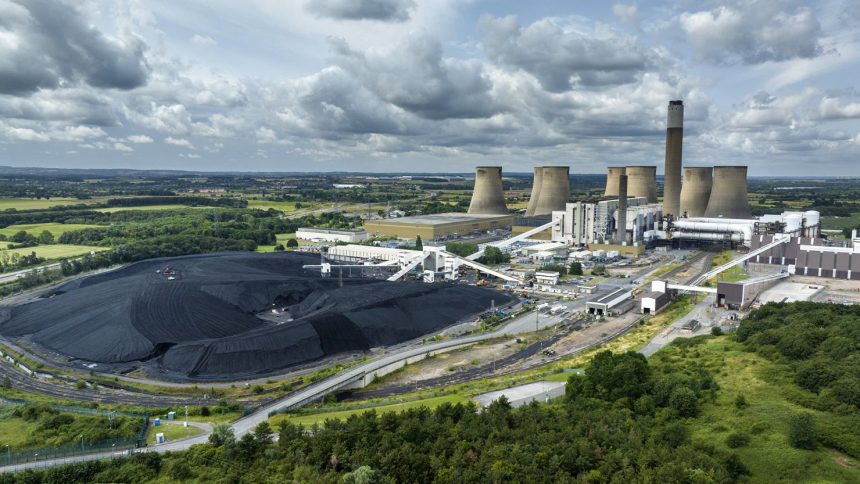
218	316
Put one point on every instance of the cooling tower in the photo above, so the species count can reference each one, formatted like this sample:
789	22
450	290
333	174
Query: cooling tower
612	175
729	193
696	190
554	189
538	177
488	197
642	182
672	167
621	222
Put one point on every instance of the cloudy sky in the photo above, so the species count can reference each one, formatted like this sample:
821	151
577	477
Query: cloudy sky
428	85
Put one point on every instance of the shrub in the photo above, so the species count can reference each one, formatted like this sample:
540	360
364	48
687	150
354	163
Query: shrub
801	431
292	243
741	402
736	440
684	401
717	331
735	467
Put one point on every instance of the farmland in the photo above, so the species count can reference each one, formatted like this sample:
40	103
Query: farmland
56	229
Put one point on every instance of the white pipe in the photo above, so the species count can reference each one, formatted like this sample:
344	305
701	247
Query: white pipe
745	229
720	220
734	237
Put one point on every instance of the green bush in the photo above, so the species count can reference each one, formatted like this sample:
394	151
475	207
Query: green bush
801	431
736	440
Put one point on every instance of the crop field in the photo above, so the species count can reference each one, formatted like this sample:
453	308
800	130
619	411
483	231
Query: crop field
55	251
282	206
56	229
769	390
34	204
148	207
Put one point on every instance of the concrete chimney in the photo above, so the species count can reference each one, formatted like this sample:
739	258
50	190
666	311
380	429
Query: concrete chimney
612	174
538	177
642	182
621	221
672	167
696	190
488	196
729	193
554	189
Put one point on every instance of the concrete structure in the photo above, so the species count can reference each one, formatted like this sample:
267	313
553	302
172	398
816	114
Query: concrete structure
546	277
595	221
541	391
729	193
614	303
488	196
654	301
696	191
642	182
436	226
672	166
331	235
621	213
554	190
613	176
360	253
536	183
739	295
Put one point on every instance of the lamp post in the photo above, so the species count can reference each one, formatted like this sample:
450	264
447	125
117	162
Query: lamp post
82	442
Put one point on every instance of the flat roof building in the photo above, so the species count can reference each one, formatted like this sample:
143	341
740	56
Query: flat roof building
331	235
437	226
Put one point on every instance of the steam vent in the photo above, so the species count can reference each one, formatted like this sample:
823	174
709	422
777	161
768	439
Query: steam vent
488	197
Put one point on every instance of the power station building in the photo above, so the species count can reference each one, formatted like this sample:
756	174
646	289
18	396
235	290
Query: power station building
596	221
437	226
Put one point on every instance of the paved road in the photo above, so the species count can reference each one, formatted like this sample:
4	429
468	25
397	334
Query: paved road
11	276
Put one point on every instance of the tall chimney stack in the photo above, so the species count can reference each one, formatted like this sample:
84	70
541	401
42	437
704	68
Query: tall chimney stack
672	168
621	221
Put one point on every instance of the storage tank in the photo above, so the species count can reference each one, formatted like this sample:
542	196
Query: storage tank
696	191
554	190
672	164
793	224
488	197
612	175
812	223
536	181
642	182
729	193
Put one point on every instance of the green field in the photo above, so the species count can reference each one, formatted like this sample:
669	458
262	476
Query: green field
56	229
172	432
839	223
55	251
769	389
282	206
33	204
146	207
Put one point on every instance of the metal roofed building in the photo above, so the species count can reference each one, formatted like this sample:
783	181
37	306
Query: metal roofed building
616	302
331	235
437	226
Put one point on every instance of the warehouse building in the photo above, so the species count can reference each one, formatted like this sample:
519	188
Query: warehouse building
612	304
316	234
438	226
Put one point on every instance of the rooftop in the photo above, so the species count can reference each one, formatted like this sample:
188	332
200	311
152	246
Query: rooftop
441	218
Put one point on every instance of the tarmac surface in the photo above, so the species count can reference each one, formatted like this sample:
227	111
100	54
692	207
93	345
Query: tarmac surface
222	316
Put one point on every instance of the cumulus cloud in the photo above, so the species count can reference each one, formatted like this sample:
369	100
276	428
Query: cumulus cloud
832	108
415	76
47	44
139	139
561	57
179	142
382	10
203	41
628	14
753	32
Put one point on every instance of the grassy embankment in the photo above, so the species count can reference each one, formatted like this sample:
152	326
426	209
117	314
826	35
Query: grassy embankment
634	339
172	432
771	396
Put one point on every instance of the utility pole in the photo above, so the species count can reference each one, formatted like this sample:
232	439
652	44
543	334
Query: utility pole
186	416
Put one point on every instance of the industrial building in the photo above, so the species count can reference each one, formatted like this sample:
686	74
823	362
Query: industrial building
642	182
595	221
612	304
672	163
549	278
437	226
488	196
316	234
744	230
553	190
696	191
812	257
654	301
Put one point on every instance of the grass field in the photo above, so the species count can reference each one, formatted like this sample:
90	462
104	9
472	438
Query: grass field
770	392
147	207
55	251
171	432
282	206
56	229
839	223
33	204
310	419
